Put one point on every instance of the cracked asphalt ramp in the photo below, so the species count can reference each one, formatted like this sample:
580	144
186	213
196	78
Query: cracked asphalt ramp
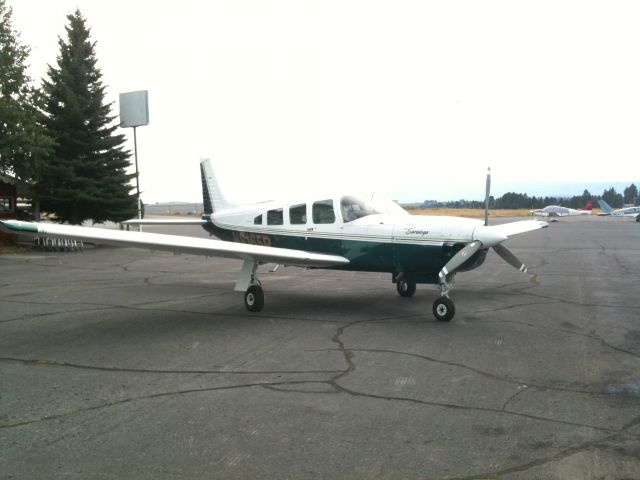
122	363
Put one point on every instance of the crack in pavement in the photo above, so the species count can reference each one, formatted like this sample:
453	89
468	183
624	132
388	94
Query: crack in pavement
566	331
102	406
521	389
561	455
493	376
565	301
50	363
330	382
143	308
471	408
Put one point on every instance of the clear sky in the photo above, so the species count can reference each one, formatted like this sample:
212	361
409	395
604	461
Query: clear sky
412	98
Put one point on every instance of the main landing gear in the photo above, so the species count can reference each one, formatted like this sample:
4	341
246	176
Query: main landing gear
249	283
254	298
405	289
443	308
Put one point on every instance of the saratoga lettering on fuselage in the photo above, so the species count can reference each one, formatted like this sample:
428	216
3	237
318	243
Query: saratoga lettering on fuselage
411	231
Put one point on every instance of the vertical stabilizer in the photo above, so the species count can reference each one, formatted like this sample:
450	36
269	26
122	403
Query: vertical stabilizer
212	197
606	208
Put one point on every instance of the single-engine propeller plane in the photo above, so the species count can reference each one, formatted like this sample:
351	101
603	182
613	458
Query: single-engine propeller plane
621	212
342	232
560	211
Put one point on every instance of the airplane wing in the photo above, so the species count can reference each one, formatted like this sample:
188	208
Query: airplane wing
174	243
515	228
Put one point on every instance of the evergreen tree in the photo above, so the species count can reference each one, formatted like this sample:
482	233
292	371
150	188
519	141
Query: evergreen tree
24	143
631	194
586	198
613	198
86	177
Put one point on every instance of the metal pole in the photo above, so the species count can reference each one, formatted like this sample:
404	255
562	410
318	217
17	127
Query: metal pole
135	154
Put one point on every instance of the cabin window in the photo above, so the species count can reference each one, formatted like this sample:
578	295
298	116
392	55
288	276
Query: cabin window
298	214
5	205
323	212
258	220
275	217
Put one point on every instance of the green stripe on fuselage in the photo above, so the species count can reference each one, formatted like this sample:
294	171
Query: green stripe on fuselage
418	263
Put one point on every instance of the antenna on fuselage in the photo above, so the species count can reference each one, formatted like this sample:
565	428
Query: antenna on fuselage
486	197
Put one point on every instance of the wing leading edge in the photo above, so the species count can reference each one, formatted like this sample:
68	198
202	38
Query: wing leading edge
522	226
175	243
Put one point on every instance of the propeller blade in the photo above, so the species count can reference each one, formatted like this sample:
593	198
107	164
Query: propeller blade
510	258
458	259
486	197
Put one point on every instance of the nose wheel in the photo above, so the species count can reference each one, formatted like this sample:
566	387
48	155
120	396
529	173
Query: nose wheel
444	309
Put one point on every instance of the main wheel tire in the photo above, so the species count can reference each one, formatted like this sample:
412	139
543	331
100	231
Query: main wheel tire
444	309
406	289
254	298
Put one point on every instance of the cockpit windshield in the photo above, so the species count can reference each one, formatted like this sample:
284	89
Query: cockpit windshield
354	208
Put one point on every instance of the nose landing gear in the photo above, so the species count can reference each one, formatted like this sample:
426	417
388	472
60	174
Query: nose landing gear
443	308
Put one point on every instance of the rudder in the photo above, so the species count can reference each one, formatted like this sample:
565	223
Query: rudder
605	206
212	198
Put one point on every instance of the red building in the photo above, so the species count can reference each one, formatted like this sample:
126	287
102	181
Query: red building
8	202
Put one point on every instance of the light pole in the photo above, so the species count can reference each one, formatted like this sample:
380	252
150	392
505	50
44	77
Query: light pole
135	155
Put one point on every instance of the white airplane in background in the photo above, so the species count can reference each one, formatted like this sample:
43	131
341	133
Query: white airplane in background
560	211
621	212
341	232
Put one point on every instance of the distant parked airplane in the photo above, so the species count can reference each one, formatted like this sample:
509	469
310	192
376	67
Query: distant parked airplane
621	212
560	211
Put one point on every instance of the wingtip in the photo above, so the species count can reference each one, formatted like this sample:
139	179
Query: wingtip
16	226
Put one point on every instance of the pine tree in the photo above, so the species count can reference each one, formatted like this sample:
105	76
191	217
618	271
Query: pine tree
86	177
631	194
24	143
613	198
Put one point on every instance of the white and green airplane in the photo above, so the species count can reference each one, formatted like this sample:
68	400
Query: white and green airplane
341	232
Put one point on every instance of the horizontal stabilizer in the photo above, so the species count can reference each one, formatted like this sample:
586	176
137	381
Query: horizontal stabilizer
165	221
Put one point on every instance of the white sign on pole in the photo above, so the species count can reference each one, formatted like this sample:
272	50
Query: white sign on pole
134	109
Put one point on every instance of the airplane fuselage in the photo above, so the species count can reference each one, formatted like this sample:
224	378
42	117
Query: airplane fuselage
416	246
626	212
